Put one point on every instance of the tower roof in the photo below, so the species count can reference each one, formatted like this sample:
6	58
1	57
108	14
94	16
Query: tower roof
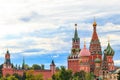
84	51
23	64
7	52
52	63
97	60
109	50
7	58
95	46
94	36
76	33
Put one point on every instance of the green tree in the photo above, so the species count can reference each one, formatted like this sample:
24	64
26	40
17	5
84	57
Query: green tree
88	76
1	66
79	75
36	67
65	74
3	78
42	67
38	77
29	75
119	75
7	75
57	68
56	76
24	76
17	76
49	79
11	78
26	66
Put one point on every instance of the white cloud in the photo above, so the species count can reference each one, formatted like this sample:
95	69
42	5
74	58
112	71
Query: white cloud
55	56
117	62
109	27
49	15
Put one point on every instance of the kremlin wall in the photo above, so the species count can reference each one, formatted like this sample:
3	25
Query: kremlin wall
8	69
88	60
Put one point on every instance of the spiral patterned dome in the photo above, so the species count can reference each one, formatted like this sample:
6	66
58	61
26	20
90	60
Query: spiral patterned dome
109	51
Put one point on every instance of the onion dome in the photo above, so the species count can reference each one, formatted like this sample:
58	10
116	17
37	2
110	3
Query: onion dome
97	60
84	51
94	23
109	51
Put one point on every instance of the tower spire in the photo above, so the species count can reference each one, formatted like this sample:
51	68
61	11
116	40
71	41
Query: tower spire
7	51
52	63
84	43
109	40
76	33
75	42
94	36
94	23
95	46
23	64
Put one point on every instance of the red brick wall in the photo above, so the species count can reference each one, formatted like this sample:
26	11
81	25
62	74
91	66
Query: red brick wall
46	73
73	65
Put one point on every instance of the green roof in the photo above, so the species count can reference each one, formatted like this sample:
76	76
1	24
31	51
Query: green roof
109	50
76	35
8	52
97	60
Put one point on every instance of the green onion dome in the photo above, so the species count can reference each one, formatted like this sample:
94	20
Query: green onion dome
109	51
97	60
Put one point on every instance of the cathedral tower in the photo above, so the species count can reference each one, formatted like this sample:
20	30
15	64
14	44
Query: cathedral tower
95	47
109	52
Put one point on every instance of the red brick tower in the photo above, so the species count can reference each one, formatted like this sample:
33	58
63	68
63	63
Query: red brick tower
84	60
95	47
52	67
7	66
73	60
7	63
109	52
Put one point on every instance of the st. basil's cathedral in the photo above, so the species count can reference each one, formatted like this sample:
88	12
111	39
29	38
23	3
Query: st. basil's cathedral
92	59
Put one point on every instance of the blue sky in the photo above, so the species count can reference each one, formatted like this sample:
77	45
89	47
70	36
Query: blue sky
42	30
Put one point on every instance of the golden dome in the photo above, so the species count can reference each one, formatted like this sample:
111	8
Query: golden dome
94	24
